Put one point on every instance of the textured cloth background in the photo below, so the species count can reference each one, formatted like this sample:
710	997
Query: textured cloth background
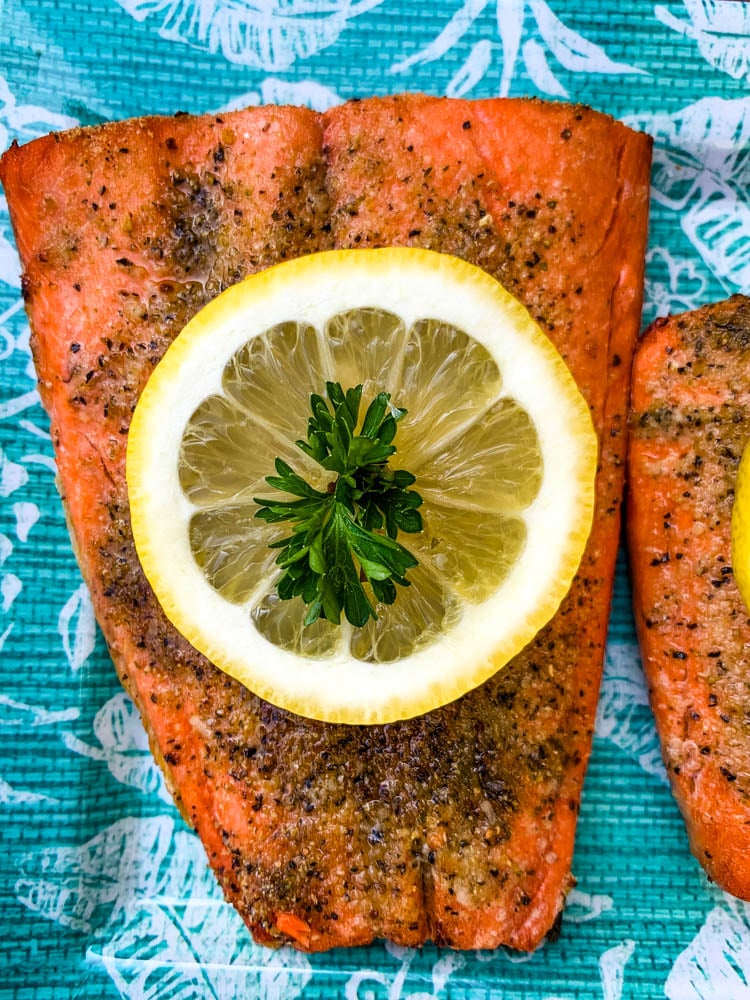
103	890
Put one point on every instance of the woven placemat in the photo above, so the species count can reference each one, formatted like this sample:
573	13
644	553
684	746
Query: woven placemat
103	890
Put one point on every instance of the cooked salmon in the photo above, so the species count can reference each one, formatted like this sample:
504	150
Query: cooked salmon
457	826
690	425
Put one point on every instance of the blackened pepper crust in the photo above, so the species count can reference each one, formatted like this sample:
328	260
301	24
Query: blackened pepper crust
515	750
690	426
711	348
457	825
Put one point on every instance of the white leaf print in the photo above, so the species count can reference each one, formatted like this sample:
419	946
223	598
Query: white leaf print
5	635
27	121
10	266
15	796
472	71
265	34
46	461
703	172
27	514
612	969
623	715
13	406
452	33
77	628
84	887
571	50
123	747
144	892
444	968
10	588
189	951
721	31
16	713
23	345
12	475
672	285
580	907
539	70
118	726
716	963
396	984
129	859
6	548
510	18
7	340
31	428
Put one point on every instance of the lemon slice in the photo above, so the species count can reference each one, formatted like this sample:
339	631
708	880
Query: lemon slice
497	434
741	527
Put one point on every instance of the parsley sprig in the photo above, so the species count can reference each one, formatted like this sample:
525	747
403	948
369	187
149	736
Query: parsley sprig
346	536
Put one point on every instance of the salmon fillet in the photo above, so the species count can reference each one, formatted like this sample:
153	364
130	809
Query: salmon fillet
690	425
457	826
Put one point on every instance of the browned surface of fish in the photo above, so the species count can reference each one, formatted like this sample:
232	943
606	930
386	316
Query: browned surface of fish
458	825
690	425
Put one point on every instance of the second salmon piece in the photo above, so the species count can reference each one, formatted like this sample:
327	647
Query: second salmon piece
690	425
457	826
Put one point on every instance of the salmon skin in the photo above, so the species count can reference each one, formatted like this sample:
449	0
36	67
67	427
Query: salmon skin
456	826
690	425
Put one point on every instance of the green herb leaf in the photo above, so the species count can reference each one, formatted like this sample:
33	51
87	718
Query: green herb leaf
337	543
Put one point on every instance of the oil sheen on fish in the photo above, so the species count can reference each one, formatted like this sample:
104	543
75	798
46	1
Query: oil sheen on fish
457	826
690	425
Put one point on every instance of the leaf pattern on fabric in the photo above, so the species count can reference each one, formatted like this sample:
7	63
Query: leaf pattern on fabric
612	969
360	985
623	715
16	713
184	951
451	34
77	627
142	889
580	907
572	50
716	963
10	796
472	70
540	71
673	284
123	747
551	35
264	34
702	173
720	30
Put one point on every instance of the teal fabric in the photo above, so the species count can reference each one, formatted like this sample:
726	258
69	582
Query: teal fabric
103	890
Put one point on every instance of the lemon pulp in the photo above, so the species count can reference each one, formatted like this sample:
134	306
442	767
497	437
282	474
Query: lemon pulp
478	465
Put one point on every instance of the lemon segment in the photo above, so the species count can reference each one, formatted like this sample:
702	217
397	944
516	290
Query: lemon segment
741	527
449	379
498	435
